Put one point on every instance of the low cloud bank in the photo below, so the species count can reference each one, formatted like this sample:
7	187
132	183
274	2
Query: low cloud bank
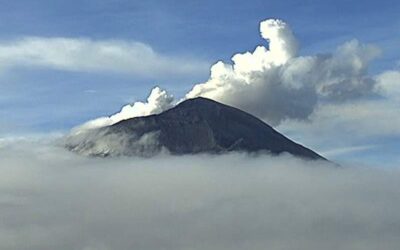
53	199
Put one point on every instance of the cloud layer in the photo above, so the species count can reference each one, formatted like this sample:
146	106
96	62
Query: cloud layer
51	199
86	55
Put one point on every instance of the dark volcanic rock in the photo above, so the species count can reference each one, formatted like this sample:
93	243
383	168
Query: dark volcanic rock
197	125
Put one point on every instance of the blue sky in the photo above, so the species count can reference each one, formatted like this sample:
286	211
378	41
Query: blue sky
42	99
213	29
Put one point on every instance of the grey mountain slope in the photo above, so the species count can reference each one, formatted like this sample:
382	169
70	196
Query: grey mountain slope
196	125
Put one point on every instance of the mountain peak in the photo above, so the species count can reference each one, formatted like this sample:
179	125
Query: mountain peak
197	125
198	102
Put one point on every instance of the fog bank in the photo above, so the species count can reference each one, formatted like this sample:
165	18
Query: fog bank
52	199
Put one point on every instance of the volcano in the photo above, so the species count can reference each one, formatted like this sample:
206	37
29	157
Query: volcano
198	125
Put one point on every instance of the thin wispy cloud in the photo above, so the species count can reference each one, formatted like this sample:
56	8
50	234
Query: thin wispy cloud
87	55
347	150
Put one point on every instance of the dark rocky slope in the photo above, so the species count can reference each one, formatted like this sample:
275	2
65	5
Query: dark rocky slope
197	125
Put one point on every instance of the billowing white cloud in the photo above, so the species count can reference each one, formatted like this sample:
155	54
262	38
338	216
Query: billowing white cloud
52	199
86	55
276	84
158	101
